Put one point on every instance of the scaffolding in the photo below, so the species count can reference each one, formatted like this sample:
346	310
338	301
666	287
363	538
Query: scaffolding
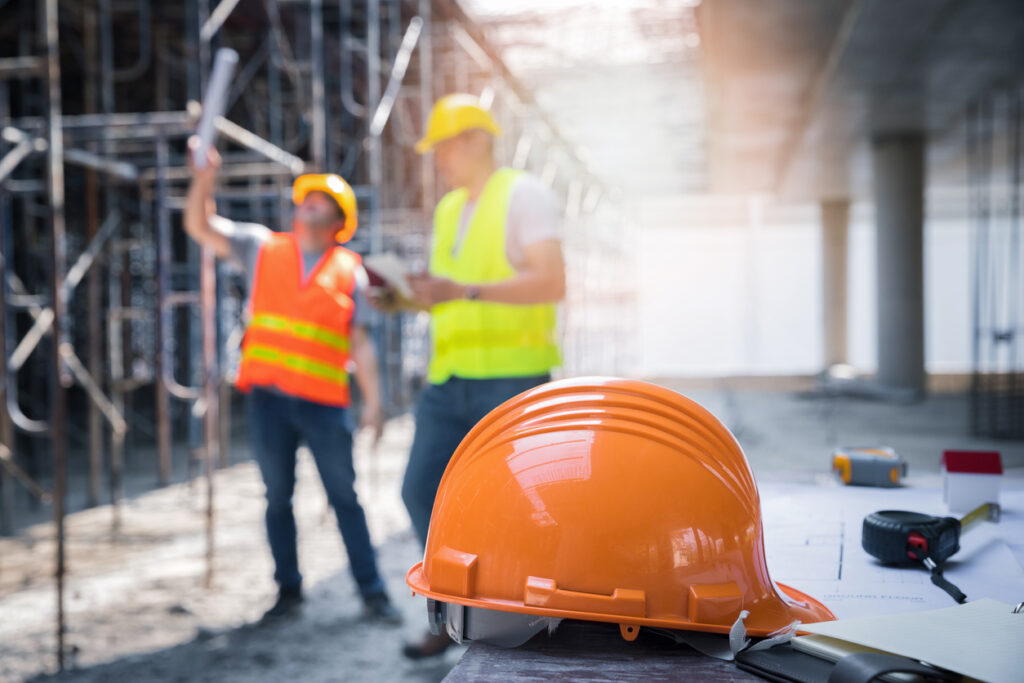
120	335
995	160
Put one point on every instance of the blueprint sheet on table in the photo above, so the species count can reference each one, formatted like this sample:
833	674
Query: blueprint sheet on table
812	542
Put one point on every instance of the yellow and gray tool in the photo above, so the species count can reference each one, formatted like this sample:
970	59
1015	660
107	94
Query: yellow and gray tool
869	466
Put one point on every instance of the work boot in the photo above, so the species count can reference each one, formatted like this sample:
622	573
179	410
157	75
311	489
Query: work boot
378	607
289	604
429	645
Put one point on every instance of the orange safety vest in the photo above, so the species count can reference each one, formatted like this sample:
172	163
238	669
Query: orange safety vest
297	339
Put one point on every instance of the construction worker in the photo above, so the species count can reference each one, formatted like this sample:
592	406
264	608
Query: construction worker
496	272
308	321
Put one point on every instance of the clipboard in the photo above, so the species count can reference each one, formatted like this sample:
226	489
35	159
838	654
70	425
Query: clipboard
388	271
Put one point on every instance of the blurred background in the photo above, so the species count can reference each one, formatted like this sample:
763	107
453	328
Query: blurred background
805	214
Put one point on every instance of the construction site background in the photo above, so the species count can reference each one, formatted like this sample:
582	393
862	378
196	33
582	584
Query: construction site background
124	468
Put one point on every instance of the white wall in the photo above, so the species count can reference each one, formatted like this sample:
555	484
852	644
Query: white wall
733	286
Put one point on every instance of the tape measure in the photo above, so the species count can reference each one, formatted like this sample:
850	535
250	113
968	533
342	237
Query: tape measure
901	537
869	466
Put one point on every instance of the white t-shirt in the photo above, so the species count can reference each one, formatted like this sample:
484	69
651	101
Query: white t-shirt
533	216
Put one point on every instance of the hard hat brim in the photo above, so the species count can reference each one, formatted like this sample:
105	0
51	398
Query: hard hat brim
417	580
426	144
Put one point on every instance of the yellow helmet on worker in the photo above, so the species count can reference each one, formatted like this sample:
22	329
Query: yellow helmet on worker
335	187
455	114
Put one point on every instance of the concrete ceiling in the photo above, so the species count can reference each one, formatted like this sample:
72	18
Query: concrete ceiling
796	89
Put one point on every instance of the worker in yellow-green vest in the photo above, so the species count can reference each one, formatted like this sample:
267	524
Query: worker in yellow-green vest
496	272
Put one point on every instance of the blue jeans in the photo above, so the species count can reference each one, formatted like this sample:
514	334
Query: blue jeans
445	414
277	424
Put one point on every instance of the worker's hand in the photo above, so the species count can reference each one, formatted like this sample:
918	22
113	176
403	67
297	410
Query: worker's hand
389	300
430	290
207	175
384	299
372	420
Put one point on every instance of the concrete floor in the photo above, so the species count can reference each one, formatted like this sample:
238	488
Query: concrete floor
793	434
138	608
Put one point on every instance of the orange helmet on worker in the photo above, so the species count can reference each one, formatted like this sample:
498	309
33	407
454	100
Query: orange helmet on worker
324	203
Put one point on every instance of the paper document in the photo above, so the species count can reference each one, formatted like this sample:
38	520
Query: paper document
980	639
812	542
388	270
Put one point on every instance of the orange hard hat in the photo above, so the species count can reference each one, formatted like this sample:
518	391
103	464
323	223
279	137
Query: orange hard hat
607	500
340	191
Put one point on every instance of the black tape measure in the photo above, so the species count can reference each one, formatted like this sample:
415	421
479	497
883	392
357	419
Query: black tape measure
897	536
901	537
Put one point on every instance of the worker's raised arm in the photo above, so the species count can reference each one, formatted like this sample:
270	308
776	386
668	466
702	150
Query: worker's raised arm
201	220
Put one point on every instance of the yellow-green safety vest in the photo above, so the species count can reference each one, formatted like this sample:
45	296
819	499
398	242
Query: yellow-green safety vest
483	339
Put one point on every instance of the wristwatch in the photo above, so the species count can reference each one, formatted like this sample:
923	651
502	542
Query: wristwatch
472	293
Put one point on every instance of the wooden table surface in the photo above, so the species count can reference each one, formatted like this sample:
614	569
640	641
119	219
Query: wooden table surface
589	651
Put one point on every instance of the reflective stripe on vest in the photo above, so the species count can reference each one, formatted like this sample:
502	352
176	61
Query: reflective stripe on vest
297	328
297	340
481	339
296	363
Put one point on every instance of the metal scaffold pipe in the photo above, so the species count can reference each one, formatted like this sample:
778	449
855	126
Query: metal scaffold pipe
58	257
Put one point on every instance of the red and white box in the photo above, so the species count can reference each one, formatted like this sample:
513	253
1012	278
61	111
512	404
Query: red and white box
970	479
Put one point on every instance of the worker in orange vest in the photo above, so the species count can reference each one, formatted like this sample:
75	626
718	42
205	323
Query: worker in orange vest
307	324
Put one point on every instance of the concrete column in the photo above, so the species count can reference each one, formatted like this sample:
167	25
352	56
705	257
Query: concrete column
898	165
835	220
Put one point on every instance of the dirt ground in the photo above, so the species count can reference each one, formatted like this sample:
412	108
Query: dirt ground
138	607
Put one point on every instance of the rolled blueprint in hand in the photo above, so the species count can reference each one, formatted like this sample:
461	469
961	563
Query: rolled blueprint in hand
214	102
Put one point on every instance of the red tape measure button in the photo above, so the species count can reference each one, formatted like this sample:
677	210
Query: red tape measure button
917	546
